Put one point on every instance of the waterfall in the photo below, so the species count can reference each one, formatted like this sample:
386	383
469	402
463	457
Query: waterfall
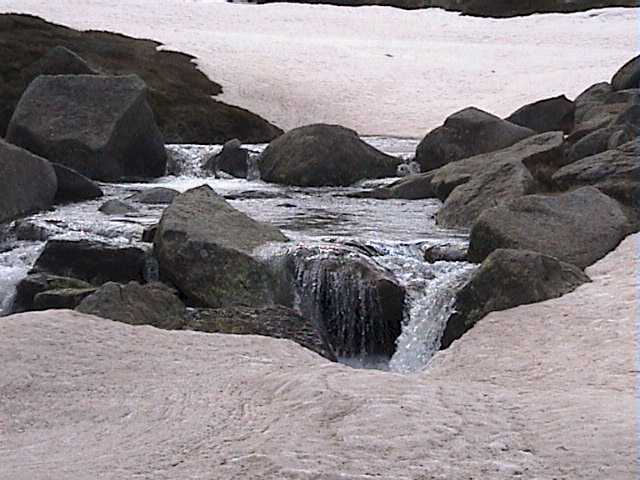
15	262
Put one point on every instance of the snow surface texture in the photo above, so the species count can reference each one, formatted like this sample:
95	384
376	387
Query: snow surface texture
379	70
541	391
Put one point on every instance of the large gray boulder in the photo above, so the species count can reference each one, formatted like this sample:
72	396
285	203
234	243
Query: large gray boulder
73	186
274	321
506	279
100	126
467	133
204	247
548	115
614	172
628	76
578	227
323	155
28	183
151	304
488	180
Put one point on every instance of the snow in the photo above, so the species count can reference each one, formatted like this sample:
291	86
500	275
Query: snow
376	69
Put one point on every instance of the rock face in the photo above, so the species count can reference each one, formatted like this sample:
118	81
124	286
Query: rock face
506	279
73	187
94	262
578	227
628	76
464	134
271	321
470	186
151	304
232	160
100	126
323	155
180	95
204	247
155	196
27	182
614	172
548	115
61	61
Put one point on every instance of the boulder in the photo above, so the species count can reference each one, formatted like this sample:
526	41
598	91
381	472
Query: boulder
323	155
488	180
548	115
446	252
506	279
270	321
61	61
100	126
628	76
155	196
151	304
91	261
34	284
614	172
204	247
598	107
73	186
467	133
578	227
30	231
233	159
64	298
27	182
116	207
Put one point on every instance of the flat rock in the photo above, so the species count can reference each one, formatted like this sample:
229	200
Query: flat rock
116	207
155	196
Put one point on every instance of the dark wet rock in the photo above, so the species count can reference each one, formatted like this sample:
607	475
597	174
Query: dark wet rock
614	172
155	196
91	261
233	159
323	155
413	187
149	233
485	181
205	248
27	182
151	304
578	227
548	115
64	298
628	76
446	253
61	61
116	207
180	95
30	231
506	279
464	134
73	186
271	321
32	285
100	126
256	195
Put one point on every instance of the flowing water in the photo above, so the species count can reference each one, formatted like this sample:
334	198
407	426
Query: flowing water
390	234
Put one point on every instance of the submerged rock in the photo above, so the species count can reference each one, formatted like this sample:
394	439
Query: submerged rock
100	126
323	155
271	321
464	134
28	183
155	196
506	279
116	207
205	246
578	227
413	187
548	115
73	186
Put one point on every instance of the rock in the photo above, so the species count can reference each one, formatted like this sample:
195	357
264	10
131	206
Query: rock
65	298
488	180
73	187
271	321
323	155
413	187
152	304
155	196
446	252
628	76
149	233
506	279
94	262
614	172
548	115
464	134
599	107
180	95
61	61
28	288
578	227
30	231
233	159
116	207
204	247
100	126
27	182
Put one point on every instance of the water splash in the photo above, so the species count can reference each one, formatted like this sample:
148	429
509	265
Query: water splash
15	263
188	160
